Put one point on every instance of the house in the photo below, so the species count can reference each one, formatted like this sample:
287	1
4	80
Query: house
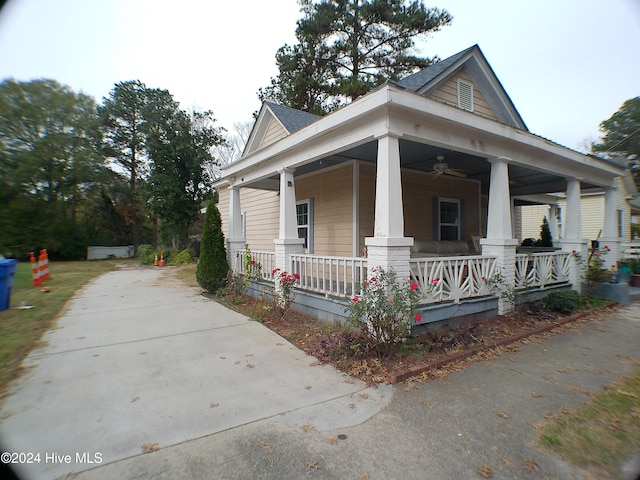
420	176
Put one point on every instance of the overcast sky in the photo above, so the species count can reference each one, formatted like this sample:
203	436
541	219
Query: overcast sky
566	64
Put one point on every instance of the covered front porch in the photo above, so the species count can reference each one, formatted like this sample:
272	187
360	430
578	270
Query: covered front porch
409	144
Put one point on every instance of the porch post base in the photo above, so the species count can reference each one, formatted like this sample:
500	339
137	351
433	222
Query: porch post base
233	245
389	253
579	248
505	250
284	248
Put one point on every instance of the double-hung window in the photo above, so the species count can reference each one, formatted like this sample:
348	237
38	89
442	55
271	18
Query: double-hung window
304	218
448	219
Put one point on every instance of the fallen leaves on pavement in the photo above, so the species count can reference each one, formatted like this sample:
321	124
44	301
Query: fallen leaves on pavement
485	471
150	447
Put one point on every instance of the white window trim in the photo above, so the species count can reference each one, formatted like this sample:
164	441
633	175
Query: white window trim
465	95
440	224
309	225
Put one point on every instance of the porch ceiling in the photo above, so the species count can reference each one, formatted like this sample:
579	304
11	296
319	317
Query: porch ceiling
422	157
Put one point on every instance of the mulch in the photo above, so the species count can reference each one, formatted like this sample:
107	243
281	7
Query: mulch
421	358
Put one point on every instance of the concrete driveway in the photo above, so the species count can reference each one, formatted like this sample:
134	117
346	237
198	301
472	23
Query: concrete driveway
140	362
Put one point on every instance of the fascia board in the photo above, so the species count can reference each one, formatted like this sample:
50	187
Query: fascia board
493	139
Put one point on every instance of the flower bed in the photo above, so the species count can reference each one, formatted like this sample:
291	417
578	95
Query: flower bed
432	355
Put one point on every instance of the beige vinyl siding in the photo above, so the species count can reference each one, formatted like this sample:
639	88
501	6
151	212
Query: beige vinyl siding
418	193
275	131
331	191
623	204
419	190
366	203
531	217
262	210
448	94
223	207
592	207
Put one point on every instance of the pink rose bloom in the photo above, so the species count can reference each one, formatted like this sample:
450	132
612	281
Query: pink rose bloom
418	318
435	281
355	299
414	287
296	276
373	279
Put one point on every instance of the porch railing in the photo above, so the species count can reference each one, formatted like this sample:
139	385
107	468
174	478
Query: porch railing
440	278
542	269
453	278
340	276
264	263
631	249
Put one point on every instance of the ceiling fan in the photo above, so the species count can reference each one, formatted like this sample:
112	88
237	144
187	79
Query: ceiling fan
442	168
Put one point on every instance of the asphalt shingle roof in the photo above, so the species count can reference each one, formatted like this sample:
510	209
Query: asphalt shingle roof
416	81
292	120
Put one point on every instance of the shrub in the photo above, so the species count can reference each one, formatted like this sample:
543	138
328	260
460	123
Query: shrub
564	301
384	310
146	254
545	240
182	258
283	291
212	268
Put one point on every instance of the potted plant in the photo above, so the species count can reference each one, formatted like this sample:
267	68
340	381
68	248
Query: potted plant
624	267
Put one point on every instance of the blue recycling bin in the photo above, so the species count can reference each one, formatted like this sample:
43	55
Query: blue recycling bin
7	269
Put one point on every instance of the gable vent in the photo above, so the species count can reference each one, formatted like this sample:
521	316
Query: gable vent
465	95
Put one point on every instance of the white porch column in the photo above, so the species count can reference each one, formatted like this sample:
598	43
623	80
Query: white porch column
287	242
389	248
610	236
500	242
235	240
573	241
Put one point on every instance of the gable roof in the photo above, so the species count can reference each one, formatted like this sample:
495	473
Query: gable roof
475	63
417	81
290	119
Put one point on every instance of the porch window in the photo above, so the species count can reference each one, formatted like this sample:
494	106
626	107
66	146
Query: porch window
449	219
620	224
304	218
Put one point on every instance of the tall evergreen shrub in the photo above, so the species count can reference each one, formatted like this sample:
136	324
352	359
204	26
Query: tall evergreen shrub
212	268
546	240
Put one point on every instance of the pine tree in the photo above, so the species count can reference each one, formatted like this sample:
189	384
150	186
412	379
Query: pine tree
348	47
212	269
545	234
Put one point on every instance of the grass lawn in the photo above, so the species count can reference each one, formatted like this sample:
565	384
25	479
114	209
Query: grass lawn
600	434
21	330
